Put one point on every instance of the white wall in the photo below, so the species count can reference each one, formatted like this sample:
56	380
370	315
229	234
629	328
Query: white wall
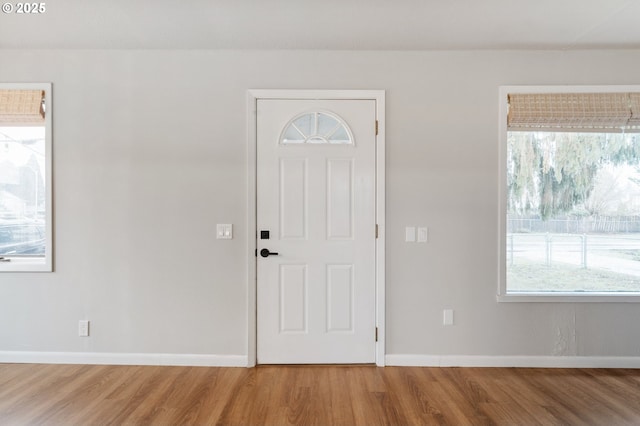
150	153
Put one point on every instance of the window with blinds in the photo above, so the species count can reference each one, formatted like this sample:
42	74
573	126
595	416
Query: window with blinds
575	112
22	107
570	171
25	178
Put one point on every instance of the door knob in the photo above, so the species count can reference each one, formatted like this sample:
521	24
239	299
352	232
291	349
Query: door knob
266	253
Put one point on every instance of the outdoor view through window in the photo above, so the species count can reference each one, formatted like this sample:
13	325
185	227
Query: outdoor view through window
22	191
573	201
573	221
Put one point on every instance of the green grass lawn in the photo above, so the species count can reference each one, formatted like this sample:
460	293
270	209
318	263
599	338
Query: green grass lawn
530	276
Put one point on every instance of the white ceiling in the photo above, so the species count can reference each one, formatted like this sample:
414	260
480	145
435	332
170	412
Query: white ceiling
328	24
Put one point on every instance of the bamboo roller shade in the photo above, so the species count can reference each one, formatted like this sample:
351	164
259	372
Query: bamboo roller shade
574	112
21	106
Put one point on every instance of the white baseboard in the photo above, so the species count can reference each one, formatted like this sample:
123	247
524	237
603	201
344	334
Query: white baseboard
404	360
512	361
103	358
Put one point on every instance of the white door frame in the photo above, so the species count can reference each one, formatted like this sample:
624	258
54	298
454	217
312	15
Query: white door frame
252	136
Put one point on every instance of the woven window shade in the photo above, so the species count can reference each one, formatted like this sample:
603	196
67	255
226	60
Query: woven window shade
21	106
574	112
634	101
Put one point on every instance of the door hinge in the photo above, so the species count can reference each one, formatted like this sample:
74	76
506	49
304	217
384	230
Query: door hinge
376	127
376	230
376	334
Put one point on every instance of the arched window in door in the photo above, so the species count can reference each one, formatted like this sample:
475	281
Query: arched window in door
318	127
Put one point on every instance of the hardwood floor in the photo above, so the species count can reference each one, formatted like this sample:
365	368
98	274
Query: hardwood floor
315	395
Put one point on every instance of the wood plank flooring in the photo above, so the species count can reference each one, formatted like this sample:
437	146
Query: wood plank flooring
315	395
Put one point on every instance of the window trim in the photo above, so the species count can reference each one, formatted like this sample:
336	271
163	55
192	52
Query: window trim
38	264
568	297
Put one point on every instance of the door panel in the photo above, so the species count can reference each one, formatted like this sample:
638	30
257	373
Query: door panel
340	298
316	196
293	298
339	198
293	195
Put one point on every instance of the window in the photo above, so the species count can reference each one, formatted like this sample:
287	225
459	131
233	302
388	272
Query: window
25	177
317	128
570	172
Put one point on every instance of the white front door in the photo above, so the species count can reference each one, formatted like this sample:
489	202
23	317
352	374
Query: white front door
316	175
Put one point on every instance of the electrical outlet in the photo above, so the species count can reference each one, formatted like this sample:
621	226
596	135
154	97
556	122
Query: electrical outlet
83	328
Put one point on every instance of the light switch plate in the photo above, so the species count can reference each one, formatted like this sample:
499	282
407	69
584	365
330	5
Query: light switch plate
447	317
423	235
410	234
224	231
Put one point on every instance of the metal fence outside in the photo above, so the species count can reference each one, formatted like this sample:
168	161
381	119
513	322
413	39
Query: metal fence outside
573	224
602	251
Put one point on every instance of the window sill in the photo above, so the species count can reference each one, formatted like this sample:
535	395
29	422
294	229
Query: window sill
591	297
21	264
